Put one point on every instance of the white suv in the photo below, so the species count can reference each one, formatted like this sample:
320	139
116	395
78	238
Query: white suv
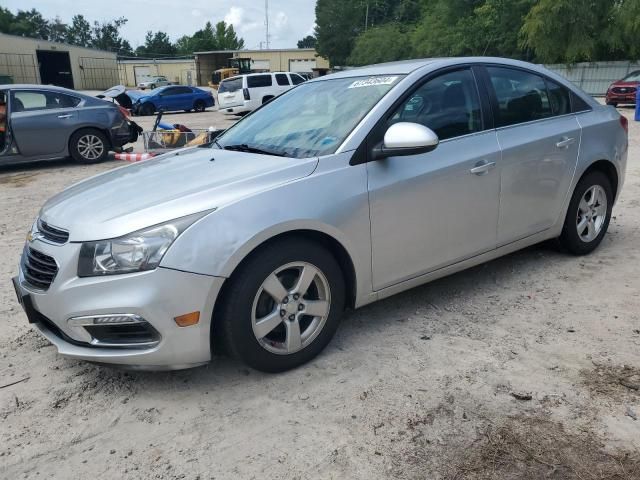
245	93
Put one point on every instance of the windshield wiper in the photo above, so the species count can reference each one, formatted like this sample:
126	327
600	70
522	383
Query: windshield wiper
246	148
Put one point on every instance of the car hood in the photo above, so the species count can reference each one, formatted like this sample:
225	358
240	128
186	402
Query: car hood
171	186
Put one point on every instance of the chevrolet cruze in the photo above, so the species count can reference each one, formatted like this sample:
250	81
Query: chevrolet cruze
342	191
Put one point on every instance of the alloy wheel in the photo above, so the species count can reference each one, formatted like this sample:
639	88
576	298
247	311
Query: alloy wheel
291	308
90	147
592	213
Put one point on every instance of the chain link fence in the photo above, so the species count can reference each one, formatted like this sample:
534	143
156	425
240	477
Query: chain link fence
594	78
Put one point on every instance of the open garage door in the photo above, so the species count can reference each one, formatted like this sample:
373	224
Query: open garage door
303	66
55	68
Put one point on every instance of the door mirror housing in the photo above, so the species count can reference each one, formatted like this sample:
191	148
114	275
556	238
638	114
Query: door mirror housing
406	138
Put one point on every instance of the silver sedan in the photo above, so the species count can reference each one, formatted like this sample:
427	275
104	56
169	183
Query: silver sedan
345	190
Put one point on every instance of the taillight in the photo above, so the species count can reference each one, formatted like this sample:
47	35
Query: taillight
124	112
625	123
245	91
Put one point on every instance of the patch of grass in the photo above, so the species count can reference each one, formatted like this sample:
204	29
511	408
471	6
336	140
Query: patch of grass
532	448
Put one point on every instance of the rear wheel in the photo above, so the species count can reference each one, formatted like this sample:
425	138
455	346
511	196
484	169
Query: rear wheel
267	99
589	214
89	146
283	305
199	106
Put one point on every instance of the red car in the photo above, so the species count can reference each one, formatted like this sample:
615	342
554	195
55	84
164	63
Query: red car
624	91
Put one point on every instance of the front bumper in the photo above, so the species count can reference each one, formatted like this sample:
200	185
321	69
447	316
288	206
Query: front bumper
157	296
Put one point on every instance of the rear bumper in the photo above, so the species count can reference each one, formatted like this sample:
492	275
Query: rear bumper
621	98
156	296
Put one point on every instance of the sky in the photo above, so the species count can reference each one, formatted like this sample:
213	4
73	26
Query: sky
289	20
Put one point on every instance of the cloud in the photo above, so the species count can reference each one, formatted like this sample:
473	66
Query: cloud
237	16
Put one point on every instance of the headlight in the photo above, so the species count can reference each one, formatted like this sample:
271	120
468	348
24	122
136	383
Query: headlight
135	252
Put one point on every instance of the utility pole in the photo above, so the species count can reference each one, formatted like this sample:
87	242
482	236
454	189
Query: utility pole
266	20
366	18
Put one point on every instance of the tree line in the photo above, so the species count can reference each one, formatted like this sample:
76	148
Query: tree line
361	32
106	35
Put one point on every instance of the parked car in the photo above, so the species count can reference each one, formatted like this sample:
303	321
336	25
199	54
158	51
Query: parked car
624	91
245	93
46	123
342	191
154	82
172	98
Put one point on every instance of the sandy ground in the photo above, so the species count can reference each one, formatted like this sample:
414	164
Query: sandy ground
422	385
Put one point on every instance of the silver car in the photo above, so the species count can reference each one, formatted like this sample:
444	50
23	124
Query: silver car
345	190
40	122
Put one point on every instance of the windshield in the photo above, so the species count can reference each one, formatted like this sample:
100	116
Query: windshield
310	120
632	77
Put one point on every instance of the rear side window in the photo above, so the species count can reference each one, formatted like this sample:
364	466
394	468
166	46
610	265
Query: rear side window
282	79
522	96
180	90
578	104
559	98
296	79
39	100
231	85
256	81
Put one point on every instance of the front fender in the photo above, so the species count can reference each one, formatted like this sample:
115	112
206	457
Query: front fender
333	201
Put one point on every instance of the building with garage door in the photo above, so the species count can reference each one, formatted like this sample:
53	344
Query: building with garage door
30	60
302	60
179	70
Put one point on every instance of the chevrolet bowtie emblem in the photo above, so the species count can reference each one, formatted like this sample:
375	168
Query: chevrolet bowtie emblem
33	236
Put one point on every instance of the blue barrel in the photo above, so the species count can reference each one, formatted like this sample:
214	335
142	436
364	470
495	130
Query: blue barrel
637	117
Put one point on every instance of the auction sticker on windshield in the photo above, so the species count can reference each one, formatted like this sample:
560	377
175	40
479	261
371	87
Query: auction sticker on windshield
373	81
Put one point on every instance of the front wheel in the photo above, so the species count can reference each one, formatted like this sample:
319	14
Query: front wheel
89	146
283	305
147	109
589	214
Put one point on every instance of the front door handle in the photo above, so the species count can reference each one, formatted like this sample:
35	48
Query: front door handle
482	168
69	115
565	142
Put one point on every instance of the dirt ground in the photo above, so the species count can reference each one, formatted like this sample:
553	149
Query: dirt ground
526	367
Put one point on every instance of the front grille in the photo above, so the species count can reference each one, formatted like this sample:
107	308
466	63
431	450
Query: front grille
624	90
52	234
39	269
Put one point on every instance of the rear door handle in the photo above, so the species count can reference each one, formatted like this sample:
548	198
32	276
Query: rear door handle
69	115
482	168
565	142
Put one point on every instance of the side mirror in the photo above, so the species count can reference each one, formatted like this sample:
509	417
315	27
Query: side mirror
405	138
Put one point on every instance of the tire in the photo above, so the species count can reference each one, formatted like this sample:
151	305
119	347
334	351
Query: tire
152	86
89	146
267	99
147	109
588	216
188	110
277	348
613	104
199	106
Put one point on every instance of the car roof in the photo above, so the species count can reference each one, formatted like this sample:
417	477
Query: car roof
34	86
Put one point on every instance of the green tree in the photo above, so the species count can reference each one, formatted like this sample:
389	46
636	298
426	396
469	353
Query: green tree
106	36
30	23
308	42
57	30
6	20
338	23
225	37
569	30
625	29
381	44
156	44
79	32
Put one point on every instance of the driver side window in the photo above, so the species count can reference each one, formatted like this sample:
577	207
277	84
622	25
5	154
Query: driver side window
448	104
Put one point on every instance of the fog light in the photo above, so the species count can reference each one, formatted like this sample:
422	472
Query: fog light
188	319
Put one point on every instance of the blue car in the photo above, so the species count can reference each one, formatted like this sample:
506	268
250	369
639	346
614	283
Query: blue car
171	98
